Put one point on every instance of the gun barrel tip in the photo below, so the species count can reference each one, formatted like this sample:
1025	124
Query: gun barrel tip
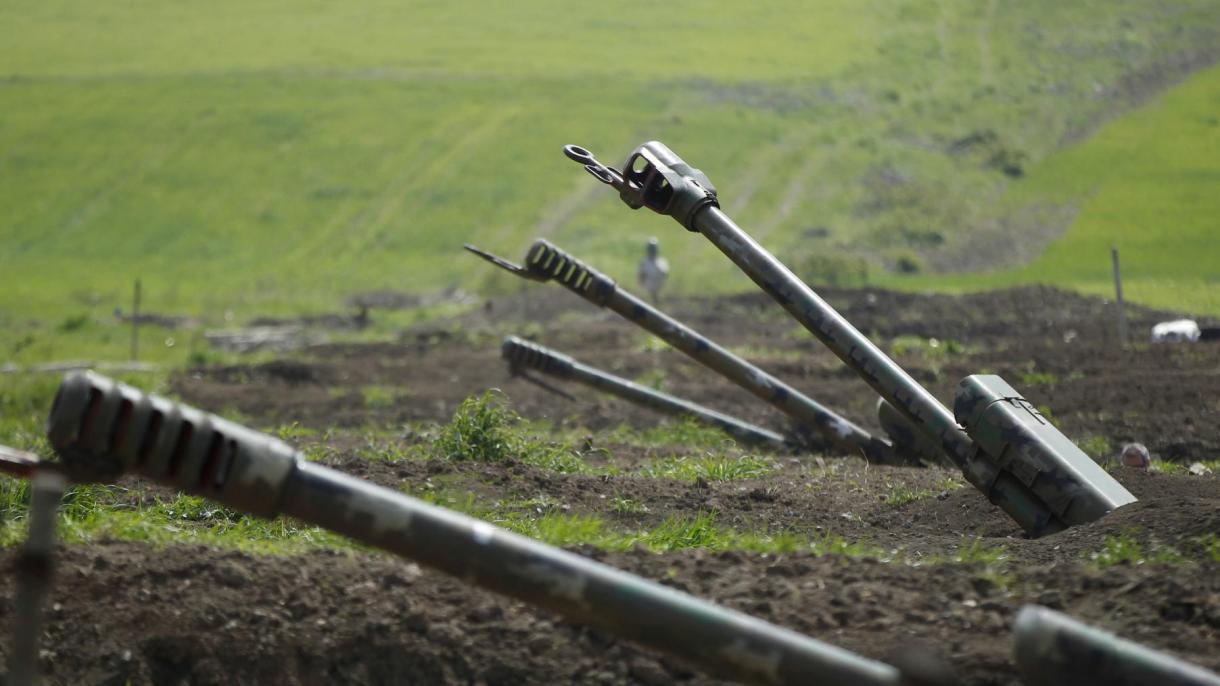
510	344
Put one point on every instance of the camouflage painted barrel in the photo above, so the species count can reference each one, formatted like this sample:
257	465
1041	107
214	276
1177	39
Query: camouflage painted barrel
1053	649
547	262
102	428
522	354
656	178
34	570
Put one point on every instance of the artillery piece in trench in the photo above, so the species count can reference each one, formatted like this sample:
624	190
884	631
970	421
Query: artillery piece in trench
816	424
999	441
523	355
102	429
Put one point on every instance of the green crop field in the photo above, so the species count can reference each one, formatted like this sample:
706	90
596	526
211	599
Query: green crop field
271	158
1146	184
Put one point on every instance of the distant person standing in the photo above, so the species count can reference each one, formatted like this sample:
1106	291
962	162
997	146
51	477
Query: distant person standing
653	270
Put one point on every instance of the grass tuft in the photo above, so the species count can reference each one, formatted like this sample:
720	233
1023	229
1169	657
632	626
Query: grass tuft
711	468
481	431
1125	549
484	429
899	493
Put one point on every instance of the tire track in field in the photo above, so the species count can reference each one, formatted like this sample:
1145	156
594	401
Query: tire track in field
342	234
757	172
584	193
793	193
441	168
130	176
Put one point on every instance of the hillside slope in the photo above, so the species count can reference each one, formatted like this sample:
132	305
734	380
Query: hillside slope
1146	184
255	157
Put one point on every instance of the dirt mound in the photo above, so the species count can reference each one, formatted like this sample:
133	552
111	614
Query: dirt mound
1053	346
127	613
131	613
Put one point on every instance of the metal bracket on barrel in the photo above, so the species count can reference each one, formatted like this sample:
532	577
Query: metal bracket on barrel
547	262
506	265
656	178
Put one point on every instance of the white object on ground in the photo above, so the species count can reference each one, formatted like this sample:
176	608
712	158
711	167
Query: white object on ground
1177	330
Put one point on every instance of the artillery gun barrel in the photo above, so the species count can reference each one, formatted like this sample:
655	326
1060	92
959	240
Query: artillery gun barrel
1053	649
526	355
547	262
34	570
1043	493
889	380
904	433
102	428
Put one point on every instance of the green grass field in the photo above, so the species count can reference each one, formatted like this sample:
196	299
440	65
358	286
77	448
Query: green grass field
274	157
1146	184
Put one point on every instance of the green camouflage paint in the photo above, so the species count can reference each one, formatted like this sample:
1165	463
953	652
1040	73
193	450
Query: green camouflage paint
102	429
547	262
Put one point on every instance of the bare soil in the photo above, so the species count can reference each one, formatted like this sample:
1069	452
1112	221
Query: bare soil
129	613
1056	347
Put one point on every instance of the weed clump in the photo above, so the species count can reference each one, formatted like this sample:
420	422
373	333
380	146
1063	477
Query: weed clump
481	430
484	429
711	468
1125	549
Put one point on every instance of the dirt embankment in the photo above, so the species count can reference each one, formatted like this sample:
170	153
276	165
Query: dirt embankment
1055	347
130	613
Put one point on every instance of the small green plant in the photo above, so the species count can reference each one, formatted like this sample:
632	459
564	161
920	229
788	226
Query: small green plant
1126	549
481	431
777	543
92	512
685	432
899	493
83	500
198	358
14	498
1184	467
931	349
195	509
75	322
1096	447
294	431
564	530
553	457
388	449
651	344
680	533
975	551
485	430
380	397
711	468
906	261
1210	545
543	503
1038	379
653	378
628	507
834	544
950	483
